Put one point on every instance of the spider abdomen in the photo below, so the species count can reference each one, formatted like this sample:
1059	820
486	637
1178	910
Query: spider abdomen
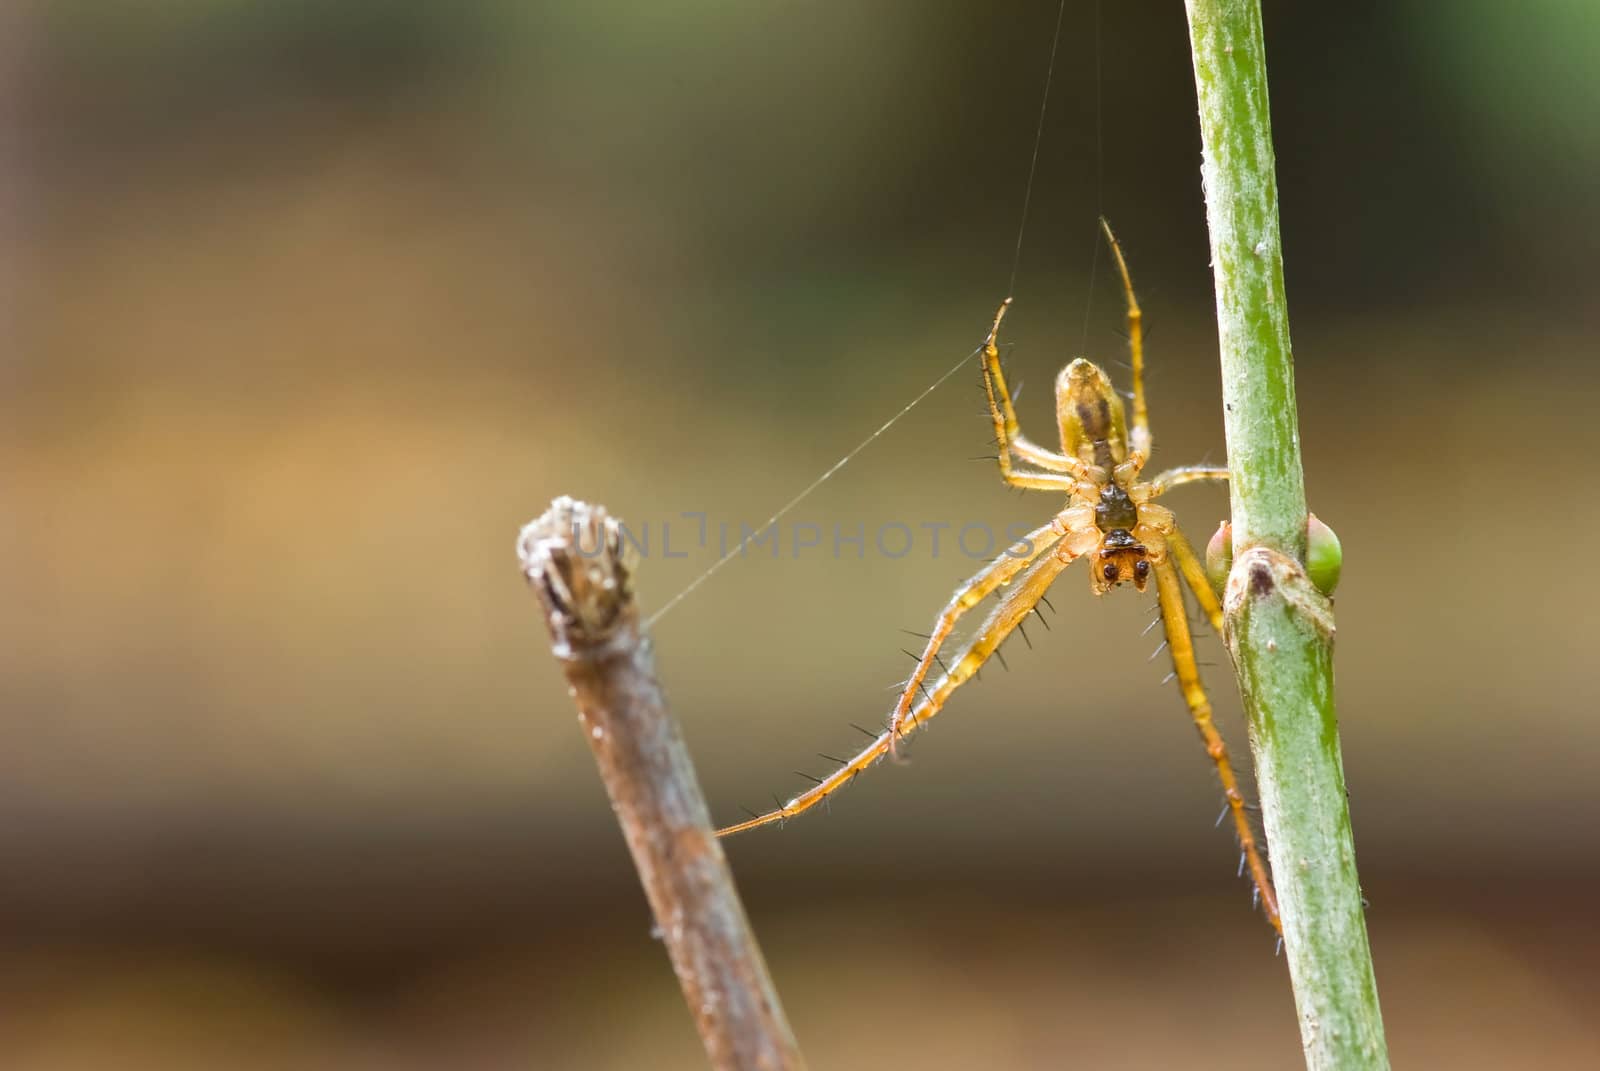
1094	425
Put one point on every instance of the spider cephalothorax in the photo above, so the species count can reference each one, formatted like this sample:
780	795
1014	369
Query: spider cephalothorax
1111	518
1122	557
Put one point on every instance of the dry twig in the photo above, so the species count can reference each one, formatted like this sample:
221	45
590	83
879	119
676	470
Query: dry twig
577	562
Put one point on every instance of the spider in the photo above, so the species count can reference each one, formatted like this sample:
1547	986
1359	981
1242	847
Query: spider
1112	519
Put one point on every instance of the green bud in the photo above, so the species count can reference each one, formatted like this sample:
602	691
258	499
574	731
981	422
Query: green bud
1219	557
1324	556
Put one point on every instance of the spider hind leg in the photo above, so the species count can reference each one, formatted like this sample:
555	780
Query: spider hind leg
1061	473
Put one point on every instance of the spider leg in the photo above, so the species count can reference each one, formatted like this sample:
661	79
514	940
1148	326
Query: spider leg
996	575
1062	473
1017	605
1139	435
1195	575
1181	645
1187	474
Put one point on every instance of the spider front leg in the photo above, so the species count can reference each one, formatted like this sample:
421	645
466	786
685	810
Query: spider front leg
1062	473
999	625
1195	575
1176	621
1188	564
1015	606
1077	524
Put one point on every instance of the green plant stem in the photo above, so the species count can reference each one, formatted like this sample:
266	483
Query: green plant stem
1279	627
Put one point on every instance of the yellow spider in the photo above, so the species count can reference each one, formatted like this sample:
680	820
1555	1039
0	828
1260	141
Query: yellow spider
1111	518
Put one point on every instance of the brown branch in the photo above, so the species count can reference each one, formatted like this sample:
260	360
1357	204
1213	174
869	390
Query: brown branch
582	570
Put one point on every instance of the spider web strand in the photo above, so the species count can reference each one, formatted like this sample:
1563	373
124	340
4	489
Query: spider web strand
806	493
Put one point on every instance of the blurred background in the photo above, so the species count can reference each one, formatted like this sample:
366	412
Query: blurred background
307	307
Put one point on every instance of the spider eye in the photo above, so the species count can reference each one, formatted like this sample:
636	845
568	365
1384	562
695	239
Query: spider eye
1109	571
1141	570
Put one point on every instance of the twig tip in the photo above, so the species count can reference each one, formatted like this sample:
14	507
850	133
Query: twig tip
577	560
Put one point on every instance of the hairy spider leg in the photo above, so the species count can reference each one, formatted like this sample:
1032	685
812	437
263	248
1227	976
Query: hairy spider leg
1015	606
1185	474
1176	622
1195	575
1139	435
1063	473
998	574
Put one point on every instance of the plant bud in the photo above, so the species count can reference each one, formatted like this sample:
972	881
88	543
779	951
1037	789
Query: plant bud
1219	557
1324	556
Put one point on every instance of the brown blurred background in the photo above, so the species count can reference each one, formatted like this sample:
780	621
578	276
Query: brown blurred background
309	306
